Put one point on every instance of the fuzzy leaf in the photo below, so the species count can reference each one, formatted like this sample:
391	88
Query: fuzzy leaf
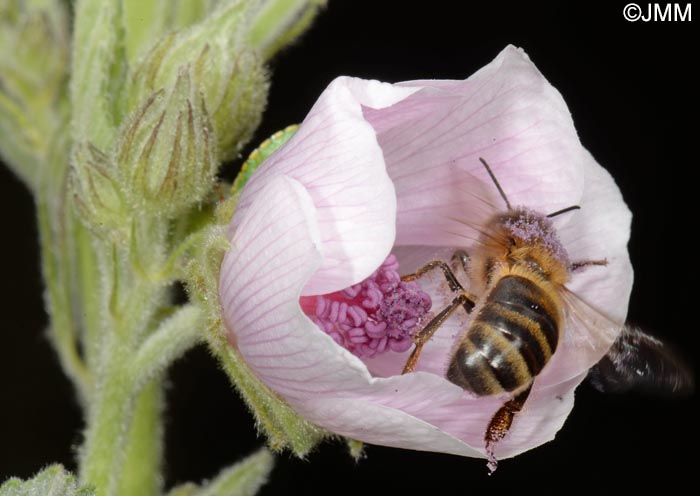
242	479
279	22
52	481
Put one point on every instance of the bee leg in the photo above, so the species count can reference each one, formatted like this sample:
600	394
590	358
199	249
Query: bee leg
500	425
574	266
460	258
424	335
452	281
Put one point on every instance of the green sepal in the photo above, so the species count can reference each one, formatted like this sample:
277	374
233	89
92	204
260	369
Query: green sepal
97	195
356	448
52	481
241	479
282	426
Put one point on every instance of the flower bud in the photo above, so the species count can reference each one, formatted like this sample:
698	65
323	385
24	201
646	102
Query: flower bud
96	192
34	50
225	70
165	151
34	54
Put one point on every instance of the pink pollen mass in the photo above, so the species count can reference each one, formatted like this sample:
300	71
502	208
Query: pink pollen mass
374	316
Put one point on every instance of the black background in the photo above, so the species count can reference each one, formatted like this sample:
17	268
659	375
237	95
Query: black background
631	92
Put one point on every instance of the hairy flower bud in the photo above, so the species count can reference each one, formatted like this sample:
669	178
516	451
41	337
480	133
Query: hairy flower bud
166	151
96	192
227	72
34	50
34	53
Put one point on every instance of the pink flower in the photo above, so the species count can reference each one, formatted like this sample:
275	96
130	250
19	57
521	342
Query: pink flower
375	169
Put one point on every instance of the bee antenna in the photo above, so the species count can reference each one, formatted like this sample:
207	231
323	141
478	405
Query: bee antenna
564	210
495	181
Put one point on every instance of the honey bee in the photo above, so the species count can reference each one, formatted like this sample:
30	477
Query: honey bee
520	310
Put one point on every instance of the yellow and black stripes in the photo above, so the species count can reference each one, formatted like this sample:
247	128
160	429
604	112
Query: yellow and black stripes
511	338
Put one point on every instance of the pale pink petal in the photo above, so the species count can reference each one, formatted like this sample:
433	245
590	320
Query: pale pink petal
601	230
275	250
541	418
335	155
506	113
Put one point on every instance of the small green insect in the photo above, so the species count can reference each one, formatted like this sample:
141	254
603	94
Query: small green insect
266	148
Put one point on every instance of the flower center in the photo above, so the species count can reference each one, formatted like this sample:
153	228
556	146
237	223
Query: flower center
373	316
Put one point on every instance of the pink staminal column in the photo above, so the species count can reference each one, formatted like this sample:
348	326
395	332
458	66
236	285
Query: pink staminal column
378	314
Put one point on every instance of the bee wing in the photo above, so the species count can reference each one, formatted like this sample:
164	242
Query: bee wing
455	214
641	362
586	337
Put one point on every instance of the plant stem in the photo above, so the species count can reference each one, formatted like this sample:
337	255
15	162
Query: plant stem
108	421
144	444
122	449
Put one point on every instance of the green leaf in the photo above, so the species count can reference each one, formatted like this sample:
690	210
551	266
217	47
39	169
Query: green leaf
242	479
52	481
279	22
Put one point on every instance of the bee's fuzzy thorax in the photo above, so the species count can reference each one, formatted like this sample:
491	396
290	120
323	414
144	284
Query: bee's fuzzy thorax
529	227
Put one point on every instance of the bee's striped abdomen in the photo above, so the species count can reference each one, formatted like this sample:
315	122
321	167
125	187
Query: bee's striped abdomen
509	341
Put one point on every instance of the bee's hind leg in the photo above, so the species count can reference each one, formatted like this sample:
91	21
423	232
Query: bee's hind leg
424	335
500	424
